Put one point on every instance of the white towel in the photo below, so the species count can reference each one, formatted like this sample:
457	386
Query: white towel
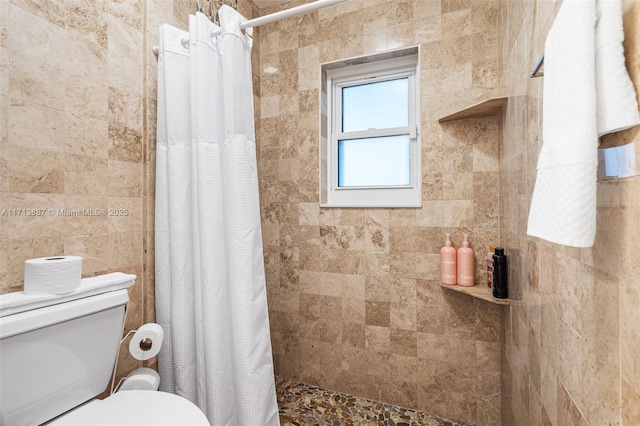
563	207
617	105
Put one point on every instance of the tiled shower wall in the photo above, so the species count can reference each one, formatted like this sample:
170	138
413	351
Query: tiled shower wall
354	296
572	343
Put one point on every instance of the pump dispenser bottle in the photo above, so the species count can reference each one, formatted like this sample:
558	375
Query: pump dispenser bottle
448	263
466	269
500	286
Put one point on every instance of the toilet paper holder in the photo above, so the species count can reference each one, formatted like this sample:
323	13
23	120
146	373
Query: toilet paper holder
145	345
142	348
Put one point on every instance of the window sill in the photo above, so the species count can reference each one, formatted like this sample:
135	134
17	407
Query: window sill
370	206
479	292
488	108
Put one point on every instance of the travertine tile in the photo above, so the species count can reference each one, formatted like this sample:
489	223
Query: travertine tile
353	286
403	342
125	249
456	22
36	126
322	329
88	20
269	106
126	108
20	226
404	315
630	404
157	12
489	321
430	318
86	174
428	266
461	407
124	213
86	136
129	11
318	306
568	412
459	213
94	250
85	215
432	187
124	57
37	58
459	318
53	11
88	65
377	338
353	334
20	250
629	340
181	11
458	78
485	73
456	50
431	214
353	310
35	170
378	313
398	392
486	197
606	253
125	179
432	399
458	186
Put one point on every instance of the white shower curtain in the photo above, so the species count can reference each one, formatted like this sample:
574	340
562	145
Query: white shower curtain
210	285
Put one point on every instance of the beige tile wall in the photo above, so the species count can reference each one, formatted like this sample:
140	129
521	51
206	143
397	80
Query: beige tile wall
571	346
77	111
354	299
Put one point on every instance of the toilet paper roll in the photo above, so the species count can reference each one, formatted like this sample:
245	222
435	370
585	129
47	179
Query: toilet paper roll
143	378
146	341
52	275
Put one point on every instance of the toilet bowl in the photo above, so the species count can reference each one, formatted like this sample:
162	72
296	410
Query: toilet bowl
57	353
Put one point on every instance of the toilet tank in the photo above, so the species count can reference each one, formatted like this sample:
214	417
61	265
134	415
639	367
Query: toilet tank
58	351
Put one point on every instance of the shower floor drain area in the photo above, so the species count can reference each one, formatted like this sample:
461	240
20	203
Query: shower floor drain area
301	404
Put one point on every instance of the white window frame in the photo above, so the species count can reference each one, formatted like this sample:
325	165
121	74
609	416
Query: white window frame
378	196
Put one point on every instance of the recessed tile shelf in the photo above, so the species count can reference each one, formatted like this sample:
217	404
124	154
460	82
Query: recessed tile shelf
487	108
479	292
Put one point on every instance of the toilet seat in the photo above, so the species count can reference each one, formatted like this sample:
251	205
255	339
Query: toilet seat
135	408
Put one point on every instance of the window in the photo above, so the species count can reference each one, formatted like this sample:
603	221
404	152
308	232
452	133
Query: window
370	148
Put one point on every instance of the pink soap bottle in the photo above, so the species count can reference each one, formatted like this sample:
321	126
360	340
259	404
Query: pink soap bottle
466	269
448	262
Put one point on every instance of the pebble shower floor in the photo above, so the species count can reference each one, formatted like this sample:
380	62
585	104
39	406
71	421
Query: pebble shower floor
302	405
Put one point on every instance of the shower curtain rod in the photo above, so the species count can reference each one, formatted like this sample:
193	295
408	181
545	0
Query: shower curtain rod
277	16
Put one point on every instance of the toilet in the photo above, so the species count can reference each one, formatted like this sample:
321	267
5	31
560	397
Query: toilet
57	353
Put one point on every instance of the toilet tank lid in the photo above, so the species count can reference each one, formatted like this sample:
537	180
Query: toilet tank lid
16	302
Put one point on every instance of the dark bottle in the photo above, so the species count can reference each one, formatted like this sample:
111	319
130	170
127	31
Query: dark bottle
500	274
